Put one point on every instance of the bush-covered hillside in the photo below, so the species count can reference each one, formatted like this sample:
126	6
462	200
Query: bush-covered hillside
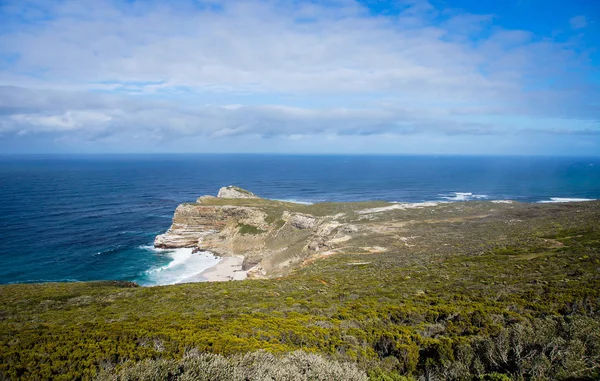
525	307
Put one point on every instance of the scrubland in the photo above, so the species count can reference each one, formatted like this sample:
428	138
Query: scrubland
463	291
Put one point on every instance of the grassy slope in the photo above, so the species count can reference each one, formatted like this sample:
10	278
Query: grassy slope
408	310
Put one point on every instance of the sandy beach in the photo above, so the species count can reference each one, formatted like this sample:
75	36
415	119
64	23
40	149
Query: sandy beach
228	268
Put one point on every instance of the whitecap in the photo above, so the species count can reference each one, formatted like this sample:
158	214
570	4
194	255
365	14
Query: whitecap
462	196
108	251
149	248
564	199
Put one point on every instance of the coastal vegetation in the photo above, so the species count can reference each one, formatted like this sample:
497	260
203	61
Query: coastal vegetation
249	229
514	295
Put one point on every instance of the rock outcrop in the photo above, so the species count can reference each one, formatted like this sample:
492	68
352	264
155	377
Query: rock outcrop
271	235
299	220
235	192
275	237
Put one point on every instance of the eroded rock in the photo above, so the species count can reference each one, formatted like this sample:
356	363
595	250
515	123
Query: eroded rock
274	237
300	221
232	191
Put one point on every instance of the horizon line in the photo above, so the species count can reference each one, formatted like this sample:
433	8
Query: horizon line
29	154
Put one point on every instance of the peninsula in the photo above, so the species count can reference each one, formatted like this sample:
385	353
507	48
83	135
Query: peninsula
476	290
264	238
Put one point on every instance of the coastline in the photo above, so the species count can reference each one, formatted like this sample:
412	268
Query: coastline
223	223
228	268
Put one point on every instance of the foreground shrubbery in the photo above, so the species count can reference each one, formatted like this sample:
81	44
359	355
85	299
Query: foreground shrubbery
544	349
258	366
527	312
553	348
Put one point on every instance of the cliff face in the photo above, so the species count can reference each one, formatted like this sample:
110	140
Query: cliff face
193	223
275	237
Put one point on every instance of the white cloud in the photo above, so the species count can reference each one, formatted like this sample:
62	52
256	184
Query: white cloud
278	68
69	120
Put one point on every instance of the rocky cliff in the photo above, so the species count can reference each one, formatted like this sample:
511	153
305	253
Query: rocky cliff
274	237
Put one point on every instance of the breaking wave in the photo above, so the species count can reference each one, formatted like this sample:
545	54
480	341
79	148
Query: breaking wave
182	264
463	196
564	199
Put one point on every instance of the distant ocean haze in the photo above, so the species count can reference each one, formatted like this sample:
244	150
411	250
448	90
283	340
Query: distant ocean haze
79	218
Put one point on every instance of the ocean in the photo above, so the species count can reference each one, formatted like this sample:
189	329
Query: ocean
94	217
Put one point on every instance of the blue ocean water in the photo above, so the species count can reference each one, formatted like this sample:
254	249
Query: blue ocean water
67	218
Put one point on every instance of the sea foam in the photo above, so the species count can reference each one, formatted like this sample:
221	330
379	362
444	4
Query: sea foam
183	264
294	201
564	199
462	196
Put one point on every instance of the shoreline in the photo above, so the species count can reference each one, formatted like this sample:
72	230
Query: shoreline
228	268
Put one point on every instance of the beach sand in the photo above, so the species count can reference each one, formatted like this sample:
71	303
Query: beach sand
228	268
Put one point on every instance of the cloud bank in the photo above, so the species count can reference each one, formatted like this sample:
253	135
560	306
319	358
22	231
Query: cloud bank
109	71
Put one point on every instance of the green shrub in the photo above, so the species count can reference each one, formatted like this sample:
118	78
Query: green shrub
494	377
249	229
456	317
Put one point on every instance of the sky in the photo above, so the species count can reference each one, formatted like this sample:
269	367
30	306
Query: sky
506	77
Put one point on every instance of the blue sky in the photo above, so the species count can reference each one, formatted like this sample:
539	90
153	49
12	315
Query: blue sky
342	76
